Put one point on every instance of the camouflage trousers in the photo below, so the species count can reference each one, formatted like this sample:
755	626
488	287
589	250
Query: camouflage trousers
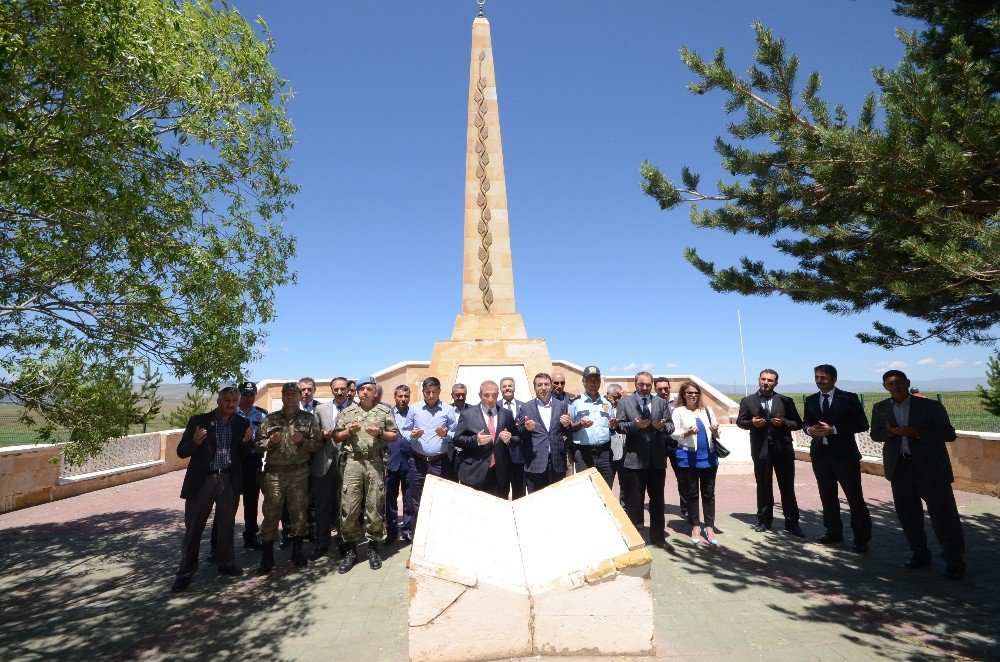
285	486
364	480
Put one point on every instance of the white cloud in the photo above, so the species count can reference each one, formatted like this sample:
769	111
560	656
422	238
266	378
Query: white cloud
671	364
631	366
952	363
979	362
264	349
282	349
926	361
891	365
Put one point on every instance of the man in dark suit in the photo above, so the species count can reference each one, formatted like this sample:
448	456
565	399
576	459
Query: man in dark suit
485	434
913	432
513	405
771	417
542	426
832	418
645	420
324	471
397	471
216	442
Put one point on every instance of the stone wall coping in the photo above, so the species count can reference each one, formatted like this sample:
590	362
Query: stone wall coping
69	480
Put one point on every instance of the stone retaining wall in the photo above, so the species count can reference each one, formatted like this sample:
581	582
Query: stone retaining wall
30	475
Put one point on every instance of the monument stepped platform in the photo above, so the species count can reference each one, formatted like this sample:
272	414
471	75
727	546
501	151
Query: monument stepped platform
89	577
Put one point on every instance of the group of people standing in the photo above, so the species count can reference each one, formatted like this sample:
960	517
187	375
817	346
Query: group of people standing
333	472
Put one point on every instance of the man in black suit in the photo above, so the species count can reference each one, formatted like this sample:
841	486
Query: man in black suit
542	426
771	417
645	420
832	418
913	432
513	405
485	434
216	442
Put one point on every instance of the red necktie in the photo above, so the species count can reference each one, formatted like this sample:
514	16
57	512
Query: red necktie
493	433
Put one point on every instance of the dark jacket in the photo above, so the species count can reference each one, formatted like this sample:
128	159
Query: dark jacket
929	453
846	414
538	444
475	458
201	456
644	447
762	438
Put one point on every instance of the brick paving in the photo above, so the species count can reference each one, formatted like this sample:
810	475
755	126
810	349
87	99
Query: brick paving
89	577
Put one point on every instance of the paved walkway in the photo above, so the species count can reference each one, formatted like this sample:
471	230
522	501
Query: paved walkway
89	577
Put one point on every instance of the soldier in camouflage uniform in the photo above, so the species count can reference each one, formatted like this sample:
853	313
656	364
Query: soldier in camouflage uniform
363	429
287	437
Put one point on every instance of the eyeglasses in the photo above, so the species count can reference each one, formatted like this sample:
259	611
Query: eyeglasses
558	383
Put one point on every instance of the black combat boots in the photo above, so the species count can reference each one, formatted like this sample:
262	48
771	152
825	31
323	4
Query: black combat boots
374	560
298	558
266	558
350	558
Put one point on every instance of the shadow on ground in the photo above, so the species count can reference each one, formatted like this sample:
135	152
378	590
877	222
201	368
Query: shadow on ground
99	587
881	603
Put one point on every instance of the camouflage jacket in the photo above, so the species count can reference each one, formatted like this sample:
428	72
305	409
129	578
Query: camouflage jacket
288	453
363	445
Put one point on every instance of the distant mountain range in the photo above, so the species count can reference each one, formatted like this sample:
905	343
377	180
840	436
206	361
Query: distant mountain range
925	386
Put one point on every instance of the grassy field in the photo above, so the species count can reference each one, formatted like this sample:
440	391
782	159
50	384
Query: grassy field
964	408
15	433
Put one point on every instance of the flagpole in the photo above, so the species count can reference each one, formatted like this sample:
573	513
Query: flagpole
743	354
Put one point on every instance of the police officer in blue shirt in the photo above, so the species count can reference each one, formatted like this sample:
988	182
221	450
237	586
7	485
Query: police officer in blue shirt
591	415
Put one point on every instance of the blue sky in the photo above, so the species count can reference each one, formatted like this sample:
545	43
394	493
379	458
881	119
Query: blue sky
587	90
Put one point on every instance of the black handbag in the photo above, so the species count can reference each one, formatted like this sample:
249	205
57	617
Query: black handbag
720	450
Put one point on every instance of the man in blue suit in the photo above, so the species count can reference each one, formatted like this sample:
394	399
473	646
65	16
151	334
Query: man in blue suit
542	426
513	405
397	472
913	432
832	418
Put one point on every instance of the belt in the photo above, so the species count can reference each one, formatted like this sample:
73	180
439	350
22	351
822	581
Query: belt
906	456
221	471
599	447
429	458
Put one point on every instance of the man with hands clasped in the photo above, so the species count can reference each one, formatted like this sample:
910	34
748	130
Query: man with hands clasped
485	433
216	442
771	417
591	415
287	437
542	426
644	418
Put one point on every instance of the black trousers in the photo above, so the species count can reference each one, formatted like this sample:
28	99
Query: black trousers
672	456
217	490
419	468
251	500
636	484
594	457
517	489
909	487
831	471
325	492
693	482
534	482
780	462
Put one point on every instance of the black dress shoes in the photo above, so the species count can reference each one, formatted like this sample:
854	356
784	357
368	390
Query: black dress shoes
761	527
827	539
859	547
318	553
954	571
795	530
180	584
915	562
231	570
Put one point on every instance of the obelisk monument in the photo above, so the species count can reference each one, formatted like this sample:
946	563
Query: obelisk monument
489	339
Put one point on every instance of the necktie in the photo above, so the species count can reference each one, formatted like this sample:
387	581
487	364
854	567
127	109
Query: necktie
645	410
491	423
826	406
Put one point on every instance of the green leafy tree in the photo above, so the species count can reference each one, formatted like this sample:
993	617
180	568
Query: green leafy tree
194	403
143	151
990	396
899	208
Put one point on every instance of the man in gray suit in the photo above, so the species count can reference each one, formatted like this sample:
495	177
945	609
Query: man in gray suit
542	426
913	432
325	471
645	420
